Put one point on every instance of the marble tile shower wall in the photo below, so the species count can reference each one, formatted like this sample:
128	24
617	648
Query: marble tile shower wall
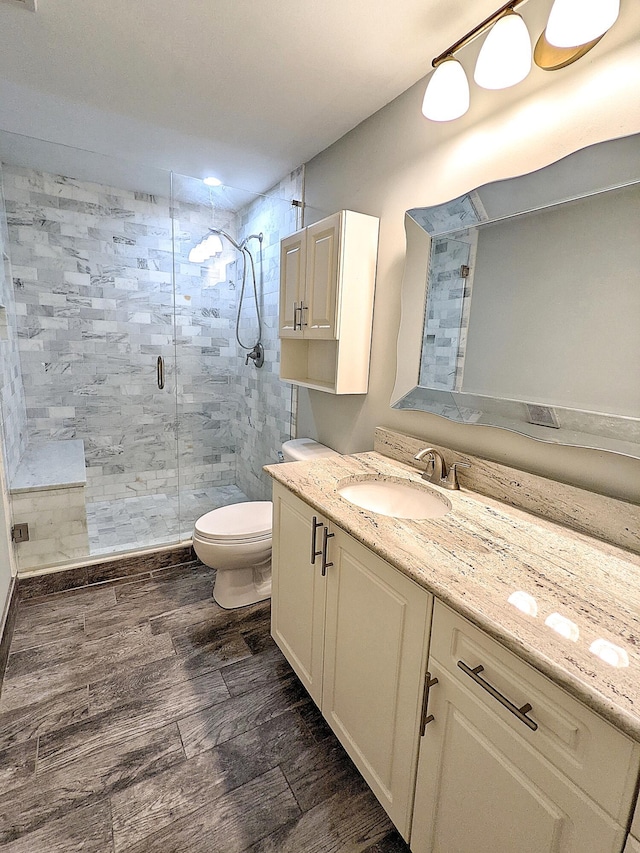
13	409
265	413
92	270
447	311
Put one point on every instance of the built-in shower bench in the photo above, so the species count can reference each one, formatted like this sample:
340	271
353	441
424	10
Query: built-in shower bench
48	494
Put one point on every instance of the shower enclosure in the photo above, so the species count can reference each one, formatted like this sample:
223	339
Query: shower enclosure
128	408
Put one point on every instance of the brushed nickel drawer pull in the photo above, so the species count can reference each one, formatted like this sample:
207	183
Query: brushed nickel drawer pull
325	540
426	719
315	524
160	372
297	324
520	713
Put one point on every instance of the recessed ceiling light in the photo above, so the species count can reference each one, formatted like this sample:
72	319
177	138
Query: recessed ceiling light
213	182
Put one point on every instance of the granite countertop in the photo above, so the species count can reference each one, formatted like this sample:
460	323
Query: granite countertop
480	553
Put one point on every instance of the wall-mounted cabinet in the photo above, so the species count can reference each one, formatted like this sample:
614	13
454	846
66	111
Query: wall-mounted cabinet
327	281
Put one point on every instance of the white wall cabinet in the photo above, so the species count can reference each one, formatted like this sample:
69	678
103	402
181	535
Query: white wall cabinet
369	645
327	281
488	782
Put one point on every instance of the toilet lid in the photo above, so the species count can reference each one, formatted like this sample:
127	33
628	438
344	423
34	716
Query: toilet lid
240	522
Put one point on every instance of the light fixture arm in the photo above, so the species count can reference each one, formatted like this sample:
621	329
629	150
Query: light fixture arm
476	31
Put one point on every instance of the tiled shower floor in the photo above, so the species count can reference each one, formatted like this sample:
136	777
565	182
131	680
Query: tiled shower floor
140	522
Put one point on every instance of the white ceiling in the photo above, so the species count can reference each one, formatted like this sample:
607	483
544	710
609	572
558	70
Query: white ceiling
243	89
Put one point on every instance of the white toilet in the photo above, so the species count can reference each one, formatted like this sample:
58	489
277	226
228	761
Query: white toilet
236	540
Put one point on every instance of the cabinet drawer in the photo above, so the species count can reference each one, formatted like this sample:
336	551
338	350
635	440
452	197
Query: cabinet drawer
586	749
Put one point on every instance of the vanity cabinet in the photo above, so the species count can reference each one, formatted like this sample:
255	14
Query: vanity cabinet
327	279
509	761
298	588
355	635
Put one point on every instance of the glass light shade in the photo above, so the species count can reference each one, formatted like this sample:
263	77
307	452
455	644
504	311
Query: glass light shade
505	56
575	22
447	95
212	245
212	182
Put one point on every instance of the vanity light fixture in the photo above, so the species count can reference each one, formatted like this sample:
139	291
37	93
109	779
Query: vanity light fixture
212	182
574	27
505	57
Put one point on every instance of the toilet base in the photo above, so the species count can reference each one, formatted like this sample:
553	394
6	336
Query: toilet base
240	587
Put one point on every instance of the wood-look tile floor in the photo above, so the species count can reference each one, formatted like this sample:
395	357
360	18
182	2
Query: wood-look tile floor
141	716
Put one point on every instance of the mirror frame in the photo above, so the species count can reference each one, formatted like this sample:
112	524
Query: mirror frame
608	165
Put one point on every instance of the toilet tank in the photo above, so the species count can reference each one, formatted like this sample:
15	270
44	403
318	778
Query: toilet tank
305	449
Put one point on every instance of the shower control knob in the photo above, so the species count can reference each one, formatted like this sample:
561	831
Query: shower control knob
257	354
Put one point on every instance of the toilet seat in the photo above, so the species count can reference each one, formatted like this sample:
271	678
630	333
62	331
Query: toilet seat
250	521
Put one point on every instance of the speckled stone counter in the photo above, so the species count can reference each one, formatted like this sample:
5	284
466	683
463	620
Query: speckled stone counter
480	553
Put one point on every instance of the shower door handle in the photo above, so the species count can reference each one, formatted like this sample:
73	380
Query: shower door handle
160	372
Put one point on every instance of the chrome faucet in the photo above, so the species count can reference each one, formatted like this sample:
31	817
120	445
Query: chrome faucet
438	473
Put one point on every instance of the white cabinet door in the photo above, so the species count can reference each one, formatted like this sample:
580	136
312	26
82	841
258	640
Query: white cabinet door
322	276
293	255
483	789
374	659
298	588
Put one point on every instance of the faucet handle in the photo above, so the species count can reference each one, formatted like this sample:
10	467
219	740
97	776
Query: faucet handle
452	477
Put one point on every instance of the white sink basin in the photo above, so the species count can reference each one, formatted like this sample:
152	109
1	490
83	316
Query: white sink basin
395	498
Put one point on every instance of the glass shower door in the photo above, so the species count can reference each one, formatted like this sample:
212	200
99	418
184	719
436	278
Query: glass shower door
91	256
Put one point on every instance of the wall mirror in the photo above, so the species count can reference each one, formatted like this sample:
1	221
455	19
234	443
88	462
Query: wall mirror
521	303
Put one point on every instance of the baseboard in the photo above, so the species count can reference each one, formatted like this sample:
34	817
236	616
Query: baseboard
103	571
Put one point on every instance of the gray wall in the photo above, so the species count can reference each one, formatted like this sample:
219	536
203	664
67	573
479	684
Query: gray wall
397	160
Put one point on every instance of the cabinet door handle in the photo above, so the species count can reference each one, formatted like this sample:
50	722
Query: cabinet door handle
303	308
520	713
297	324
424	718
325	539
315	524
